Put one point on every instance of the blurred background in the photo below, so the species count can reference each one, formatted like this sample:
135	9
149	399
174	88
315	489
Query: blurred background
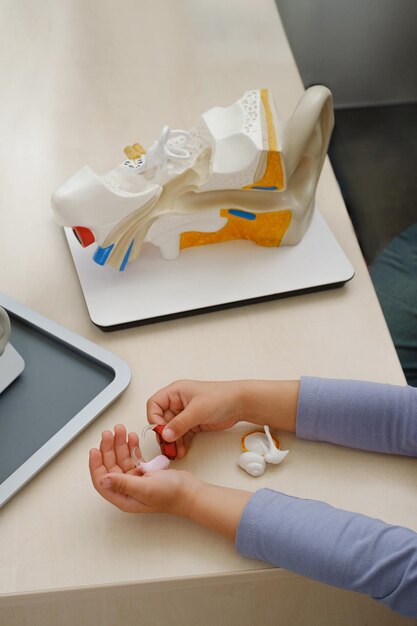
365	51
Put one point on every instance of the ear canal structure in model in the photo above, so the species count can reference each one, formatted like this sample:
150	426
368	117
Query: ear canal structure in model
259	448
238	174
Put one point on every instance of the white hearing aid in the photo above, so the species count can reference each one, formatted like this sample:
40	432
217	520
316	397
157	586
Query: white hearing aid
160	462
259	448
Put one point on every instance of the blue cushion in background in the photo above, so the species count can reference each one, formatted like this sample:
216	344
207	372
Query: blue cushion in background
394	275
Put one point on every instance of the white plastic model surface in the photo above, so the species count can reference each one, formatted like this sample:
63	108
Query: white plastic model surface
237	174
260	448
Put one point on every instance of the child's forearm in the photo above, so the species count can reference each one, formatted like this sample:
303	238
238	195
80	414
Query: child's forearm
217	508
271	402
359	414
336	547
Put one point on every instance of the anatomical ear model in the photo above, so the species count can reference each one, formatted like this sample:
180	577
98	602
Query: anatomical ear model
239	173
260	448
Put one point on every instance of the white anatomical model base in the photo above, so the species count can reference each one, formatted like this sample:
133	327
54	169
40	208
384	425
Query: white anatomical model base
207	276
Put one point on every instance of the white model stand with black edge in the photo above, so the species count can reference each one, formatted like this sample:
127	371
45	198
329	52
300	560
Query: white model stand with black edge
208	278
240	179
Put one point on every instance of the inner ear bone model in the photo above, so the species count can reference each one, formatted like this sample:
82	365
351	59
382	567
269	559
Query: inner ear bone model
239	173
259	448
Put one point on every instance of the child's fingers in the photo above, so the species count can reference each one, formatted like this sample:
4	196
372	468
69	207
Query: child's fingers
121	448
129	487
156	406
97	469
122	501
124	491
133	442
164	405
187	419
107	450
98	472
95	460
157	415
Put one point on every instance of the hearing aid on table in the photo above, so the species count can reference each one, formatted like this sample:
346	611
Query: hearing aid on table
259	448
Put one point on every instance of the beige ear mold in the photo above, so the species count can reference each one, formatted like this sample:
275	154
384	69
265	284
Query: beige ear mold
159	462
259	448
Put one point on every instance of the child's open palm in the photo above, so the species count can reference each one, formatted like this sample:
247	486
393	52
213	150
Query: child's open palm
116	477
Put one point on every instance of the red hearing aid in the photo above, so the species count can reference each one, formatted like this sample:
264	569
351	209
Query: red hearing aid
167	448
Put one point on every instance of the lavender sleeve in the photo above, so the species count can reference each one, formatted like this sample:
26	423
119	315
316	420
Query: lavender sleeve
357	414
336	547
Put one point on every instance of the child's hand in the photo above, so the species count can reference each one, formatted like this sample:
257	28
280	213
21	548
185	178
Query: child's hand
188	407
119	481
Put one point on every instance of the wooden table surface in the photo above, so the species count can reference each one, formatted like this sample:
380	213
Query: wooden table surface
80	80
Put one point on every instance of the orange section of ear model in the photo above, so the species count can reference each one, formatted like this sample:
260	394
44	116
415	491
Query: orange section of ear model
261	432
273	178
264	229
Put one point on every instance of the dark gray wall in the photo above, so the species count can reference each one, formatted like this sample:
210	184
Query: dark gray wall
365	51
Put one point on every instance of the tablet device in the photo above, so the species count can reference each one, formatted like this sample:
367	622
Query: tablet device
66	383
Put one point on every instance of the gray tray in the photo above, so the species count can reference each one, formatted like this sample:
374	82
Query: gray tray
67	382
